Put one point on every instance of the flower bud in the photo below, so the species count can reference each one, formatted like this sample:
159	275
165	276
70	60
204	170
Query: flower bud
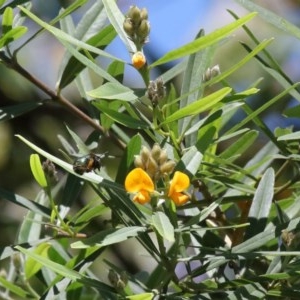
143	30
113	277
144	14
167	167
128	27
163	157
155	151
138	60
134	14
152	167
156	91
144	154
211	73
138	162
18	261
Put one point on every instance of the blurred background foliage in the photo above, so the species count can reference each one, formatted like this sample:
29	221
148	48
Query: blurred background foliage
173	23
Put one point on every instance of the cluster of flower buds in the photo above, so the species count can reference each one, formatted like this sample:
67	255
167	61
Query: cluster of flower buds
156	91
155	162
137	26
50	171
119	281
211	73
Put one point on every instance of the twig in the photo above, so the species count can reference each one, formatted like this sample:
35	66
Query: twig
14	65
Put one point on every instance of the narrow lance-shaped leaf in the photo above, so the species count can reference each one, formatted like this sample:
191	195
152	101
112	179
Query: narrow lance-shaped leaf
109	237
55	267
74	66
271	18
12	35
62	36
7	20
13	111
113	91
116	18
163	225
199	106
204	41
121	118
261	204
88	176
31	265
37	170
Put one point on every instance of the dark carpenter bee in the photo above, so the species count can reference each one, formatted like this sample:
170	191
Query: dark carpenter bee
87	163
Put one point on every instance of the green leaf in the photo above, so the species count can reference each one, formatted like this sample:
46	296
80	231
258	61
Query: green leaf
116	18
81	146
239	146
225	73
92	177
31	265
261	204
121	118
132	149
201	105
204	41
163	226
91	213
23	202
62	36
13	288
109	237
37	170
191	160
292	112
12	35
2	2
196	219
75	66
13	111
7	20
143	296
277	276
271	18
192	80
253	116
113	91
55	267
290	136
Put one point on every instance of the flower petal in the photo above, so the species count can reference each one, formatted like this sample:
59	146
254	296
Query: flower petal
179	198
142	197
179	183
138	180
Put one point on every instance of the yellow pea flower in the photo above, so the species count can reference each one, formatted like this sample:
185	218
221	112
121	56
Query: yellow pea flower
139	182
179	183
138	60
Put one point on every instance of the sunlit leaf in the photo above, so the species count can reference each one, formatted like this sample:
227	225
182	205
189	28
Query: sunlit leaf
31	265
144	296
12	35
7	20
37	170
108	237
121	118
261	204
113	91
163	225
201	105
55	267
204	41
